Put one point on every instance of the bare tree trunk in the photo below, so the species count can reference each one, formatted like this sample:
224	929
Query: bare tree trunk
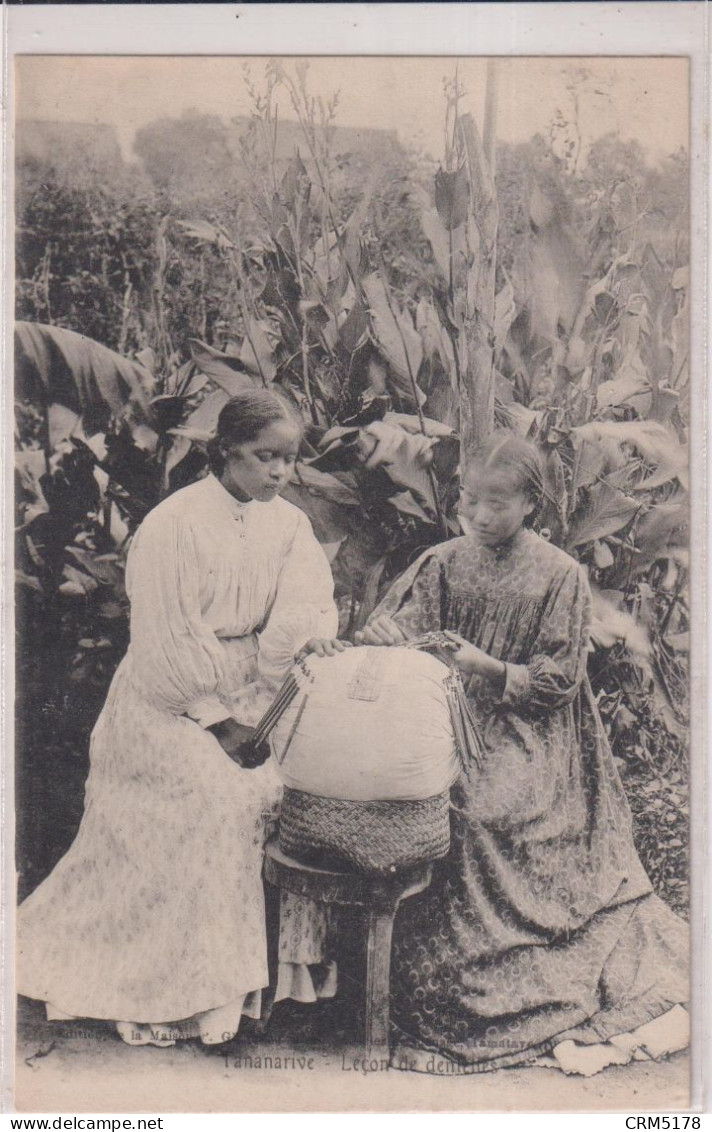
475	287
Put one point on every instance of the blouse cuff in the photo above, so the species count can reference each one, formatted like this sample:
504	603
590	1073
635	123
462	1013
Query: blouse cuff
207	712
516	685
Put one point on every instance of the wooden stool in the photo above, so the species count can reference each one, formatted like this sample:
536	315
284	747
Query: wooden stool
380	896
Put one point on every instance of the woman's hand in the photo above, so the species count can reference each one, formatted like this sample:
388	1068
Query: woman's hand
323	646
471	660
381	631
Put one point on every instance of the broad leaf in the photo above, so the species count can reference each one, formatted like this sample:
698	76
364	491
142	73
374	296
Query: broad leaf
296	185
353	250
651	439
505	312
57	366
63	423
602	555
404	456
179	449
226	371
206	233
661	530
30	467
326	485
103	568
452	197
681	278
360	545
592	460
606	511
395	336
435	339
371	592
353	329
411	423
628	385
204	419
612	624
258	350
407	504
338	451
520	418
76	583
436	233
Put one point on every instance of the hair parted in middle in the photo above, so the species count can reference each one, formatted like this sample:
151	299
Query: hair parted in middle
518	458
244	417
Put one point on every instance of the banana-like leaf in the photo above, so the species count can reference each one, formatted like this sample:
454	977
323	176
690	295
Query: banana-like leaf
435	339
505	312
179	449
655	443
354	328
204	419
592	459
404	456
258	348
452	196
57	366
555	271
606	511
395	335
226	371
681	278
359	544
104	568
612	624
206	233
411	423
296	184
629	385
407	504
602	555
660	532
519	417
76	583
436	234
328	486
29	470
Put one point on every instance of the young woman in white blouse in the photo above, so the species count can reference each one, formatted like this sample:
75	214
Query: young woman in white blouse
155	916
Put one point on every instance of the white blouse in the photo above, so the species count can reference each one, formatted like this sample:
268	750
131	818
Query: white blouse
205	569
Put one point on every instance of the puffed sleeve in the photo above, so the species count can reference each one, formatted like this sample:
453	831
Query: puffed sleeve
552	676
414	601
178	660
303	607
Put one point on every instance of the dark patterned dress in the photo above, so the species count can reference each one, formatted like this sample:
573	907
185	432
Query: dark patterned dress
541	924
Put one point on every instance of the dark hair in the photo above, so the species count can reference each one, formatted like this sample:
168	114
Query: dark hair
244	417
506	451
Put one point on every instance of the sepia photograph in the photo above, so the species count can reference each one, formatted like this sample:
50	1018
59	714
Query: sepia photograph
353	613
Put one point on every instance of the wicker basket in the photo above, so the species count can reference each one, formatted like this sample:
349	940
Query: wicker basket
373	837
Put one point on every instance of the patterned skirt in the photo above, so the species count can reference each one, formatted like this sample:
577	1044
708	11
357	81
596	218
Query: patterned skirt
156	913
483	978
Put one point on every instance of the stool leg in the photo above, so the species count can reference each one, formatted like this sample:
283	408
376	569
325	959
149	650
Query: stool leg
378	973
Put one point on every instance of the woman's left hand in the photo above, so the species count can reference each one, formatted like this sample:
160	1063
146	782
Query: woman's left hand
470	659
323	646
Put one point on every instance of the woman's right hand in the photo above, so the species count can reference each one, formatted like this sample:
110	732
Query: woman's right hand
381	631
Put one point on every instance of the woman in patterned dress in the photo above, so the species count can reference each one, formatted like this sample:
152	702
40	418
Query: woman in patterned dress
541	925
155	916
